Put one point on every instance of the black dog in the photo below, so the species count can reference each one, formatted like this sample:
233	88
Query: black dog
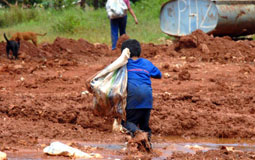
13	46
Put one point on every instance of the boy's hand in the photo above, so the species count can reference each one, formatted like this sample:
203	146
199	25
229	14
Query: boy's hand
88	86
126	51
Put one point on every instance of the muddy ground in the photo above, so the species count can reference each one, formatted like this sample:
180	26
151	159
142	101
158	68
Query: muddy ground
207	90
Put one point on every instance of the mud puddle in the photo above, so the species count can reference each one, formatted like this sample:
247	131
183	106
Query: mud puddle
165	146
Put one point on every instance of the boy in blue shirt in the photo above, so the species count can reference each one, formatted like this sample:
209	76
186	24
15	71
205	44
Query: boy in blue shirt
139	91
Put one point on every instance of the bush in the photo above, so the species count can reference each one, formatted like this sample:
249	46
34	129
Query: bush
68	24
14	16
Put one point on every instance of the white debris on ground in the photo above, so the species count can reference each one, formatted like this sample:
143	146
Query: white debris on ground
196	147
60	149
166	75
3	156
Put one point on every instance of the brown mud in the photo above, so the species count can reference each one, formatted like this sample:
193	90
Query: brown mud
207	90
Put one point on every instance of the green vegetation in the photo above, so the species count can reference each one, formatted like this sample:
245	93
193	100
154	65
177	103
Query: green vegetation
74	22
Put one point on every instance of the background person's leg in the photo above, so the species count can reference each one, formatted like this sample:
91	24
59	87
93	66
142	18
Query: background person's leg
122	25
114	32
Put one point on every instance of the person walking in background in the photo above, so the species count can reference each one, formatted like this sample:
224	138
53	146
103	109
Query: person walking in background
118	21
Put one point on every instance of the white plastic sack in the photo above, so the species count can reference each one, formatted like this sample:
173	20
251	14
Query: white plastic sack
58	148
116	8
3	156
110	87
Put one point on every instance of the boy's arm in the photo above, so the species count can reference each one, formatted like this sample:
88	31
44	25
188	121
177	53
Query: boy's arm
155	73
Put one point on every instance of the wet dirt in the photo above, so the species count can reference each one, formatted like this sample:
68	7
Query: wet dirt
207	90
165	148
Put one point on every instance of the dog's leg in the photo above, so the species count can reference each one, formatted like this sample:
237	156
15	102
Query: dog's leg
15	53
7	52
35	42
12	57
16	50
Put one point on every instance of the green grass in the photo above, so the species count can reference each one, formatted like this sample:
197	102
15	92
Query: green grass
92	25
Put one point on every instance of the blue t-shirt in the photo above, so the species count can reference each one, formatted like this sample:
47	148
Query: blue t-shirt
139	91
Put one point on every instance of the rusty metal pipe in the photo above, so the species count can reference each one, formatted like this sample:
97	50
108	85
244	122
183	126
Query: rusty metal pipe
236	17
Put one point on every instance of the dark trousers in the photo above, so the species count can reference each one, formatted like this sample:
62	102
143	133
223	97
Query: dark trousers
135	118
117	25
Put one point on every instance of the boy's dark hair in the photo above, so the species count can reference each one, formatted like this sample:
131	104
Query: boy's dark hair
134	47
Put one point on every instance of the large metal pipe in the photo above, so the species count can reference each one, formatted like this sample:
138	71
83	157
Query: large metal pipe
236	17
218	17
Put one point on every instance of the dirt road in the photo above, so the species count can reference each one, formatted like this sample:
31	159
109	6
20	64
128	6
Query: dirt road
207	91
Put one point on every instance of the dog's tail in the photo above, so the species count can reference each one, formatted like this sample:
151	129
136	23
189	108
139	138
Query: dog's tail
38	34
6	38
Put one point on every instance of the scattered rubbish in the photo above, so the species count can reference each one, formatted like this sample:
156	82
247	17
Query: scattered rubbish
166	75
85	92
230	149
3	156
196	147
167	93
60	149
227	148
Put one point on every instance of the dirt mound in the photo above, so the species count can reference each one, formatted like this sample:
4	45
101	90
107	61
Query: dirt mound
71	46
151	50
200	46
28	50
215	49
68	47
121	39
61	47
197	46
